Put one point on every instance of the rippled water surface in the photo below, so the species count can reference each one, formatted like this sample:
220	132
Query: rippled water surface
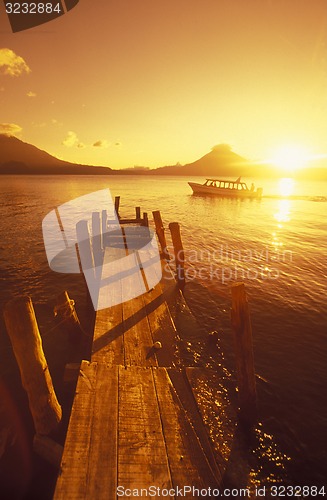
276	245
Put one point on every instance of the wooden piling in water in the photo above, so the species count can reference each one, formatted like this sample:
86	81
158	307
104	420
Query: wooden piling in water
89	299
25	337
145	220
65	312
138	212
160	230
104	227
117	202
97	243
85	247
242	330
178	252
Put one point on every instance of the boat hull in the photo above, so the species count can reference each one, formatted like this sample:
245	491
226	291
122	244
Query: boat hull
225	192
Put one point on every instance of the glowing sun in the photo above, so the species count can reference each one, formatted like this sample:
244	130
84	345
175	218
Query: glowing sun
290	158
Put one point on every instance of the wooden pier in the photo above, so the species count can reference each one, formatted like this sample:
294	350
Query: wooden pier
135	422
144	421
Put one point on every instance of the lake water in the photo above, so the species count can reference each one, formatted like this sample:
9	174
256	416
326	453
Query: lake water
276	245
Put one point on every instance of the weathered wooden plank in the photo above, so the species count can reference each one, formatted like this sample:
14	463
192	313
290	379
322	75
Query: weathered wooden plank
149	259
72	480
161	323
142	459
159	318
102	462
108	345
89	462
137	335
162	327
110	292
187	461
138	342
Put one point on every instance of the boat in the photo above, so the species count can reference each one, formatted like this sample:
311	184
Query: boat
225	187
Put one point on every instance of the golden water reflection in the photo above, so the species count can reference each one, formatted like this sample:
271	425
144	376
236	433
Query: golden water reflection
283	213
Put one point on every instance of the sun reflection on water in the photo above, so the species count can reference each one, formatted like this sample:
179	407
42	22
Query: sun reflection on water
283	214
283	210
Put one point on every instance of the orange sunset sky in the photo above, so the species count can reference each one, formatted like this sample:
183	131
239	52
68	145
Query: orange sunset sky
153	82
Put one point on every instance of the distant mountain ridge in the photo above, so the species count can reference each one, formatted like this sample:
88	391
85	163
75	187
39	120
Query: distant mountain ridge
18	157
221	160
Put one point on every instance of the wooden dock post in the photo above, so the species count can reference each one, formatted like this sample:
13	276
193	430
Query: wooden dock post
65	312
97	243
104	227
145	219
88	296
25	337
160	230
85	247
242	329
117	202
138	212
178	252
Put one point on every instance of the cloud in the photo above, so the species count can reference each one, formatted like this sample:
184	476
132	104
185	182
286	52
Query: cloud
31	94
222	148
10	129
71	140
11	64
101	144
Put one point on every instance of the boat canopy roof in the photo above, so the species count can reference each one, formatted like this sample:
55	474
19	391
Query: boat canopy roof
238	180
